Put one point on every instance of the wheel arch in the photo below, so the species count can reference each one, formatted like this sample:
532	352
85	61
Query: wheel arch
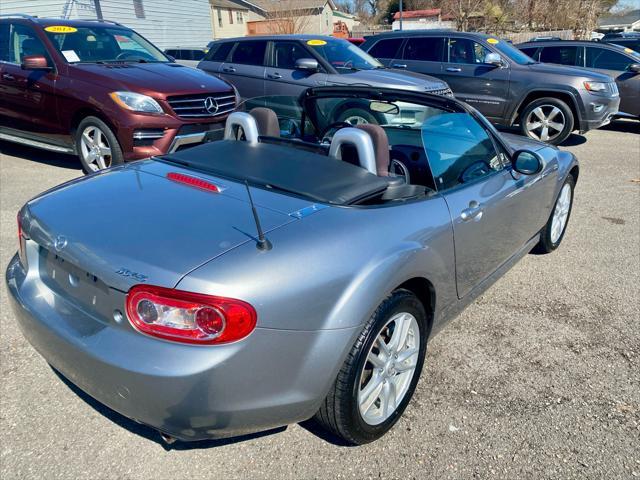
85	112
566	96
422	288
575	172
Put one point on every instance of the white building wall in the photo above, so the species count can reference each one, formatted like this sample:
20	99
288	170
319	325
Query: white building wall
421	24
167	23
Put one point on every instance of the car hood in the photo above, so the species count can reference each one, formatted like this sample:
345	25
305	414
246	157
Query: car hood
132	224
549	68
390	78
162	79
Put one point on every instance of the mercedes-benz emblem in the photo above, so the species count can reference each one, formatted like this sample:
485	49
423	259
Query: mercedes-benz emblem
59	243
211	105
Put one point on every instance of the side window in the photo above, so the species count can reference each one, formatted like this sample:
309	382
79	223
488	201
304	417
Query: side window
459	149
463	50
5	29
561	55
197	55
606	59
386	48
249	53
23	42
530	51
426	49
172	53
220	52
285	54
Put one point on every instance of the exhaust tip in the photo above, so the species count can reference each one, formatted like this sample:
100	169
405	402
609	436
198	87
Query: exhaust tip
167	439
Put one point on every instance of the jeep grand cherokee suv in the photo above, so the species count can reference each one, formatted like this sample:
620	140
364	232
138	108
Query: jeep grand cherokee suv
101	91
508	87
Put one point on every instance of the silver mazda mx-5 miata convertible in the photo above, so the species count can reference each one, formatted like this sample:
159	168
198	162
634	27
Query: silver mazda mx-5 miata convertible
295	269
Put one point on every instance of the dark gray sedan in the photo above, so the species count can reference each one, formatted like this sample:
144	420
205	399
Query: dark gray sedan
295	269
289	64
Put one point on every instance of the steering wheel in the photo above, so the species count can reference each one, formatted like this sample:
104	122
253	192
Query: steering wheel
334	126
127	54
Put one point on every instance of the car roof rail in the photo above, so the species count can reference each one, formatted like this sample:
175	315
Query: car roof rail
18	15
102	20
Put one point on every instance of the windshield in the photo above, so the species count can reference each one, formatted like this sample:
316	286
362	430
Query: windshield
343	55
513	53
103	44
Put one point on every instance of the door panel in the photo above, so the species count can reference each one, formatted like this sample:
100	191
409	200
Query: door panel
281	76
484	86
246	68
423	55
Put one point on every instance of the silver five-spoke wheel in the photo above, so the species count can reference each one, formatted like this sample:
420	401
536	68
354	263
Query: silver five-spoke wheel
545	122
561	213
390	367
95	148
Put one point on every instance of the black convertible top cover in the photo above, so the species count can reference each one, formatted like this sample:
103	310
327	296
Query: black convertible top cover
318	177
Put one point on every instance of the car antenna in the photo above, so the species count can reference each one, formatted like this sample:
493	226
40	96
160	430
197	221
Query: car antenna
263	243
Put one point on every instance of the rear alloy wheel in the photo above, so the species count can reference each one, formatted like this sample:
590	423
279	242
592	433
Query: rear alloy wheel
97	146
553	232
379	376
547	119
357	116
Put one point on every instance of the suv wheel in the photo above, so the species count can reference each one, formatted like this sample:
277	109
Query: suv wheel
547	119
379	376
97	146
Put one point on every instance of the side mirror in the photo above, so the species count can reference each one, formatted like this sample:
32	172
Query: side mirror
527	162
307	64
634	67
494	59
35	62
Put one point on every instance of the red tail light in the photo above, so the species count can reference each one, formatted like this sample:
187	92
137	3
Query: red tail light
188	317
193	182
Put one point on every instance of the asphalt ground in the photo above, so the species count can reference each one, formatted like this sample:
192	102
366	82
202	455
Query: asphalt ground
540	378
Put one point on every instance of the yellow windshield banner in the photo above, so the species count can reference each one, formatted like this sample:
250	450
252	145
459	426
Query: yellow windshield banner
316	43
493	41
60	29
629	50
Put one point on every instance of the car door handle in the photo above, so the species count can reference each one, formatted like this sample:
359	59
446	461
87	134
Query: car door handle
8	77
229	69
454	69
473	212
274	76
399	65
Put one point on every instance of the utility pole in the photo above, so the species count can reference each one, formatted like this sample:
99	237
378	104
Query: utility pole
98	9
400	15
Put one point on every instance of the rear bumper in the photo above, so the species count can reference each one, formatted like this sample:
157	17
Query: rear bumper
271	378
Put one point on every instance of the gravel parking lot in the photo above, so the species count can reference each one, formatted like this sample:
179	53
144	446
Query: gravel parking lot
540	378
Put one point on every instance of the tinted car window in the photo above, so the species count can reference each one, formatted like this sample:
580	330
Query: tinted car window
632	44
173	53
459	150
607	59
197	54
386	48
426	49
285	54
463	50
530	51
23	42
249	53
220	52
564	55
4	42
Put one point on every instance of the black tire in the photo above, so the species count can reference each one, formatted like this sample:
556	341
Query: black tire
546	243
115	158
340	412
352	113
547	104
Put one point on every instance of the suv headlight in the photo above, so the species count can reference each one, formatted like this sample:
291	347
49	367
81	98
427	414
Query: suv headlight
136	102
596	87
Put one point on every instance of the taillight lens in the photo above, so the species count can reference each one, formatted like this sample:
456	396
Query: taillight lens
22	244
189	317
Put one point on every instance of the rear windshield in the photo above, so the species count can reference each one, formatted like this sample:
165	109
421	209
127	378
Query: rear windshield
101	44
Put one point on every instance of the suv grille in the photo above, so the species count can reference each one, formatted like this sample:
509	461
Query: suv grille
203	105
445	92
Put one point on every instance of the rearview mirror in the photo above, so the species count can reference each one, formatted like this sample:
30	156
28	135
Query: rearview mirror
307	64
35	62
634	67
494	59
384	107
527	162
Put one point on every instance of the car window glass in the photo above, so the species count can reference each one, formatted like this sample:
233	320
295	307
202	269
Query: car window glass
426	49
564	55
4	41
530	51
463	50
197	55
220	52
386	48
458	149
23	42
285	54
606	59
173	53
249	53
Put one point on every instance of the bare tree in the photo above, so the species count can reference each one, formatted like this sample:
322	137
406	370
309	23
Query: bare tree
286	18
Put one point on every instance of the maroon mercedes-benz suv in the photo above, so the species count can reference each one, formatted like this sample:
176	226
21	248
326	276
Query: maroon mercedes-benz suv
101	91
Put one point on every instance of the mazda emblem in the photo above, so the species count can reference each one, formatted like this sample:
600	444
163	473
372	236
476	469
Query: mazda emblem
211	105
